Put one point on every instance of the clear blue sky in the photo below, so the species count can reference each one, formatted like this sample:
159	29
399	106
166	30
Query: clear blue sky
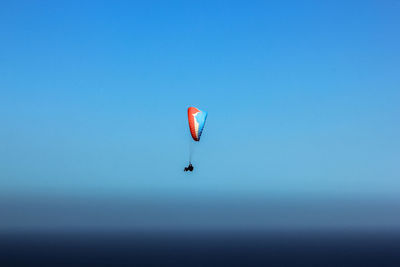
303	99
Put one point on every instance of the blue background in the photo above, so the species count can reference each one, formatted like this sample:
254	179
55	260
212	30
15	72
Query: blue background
303	126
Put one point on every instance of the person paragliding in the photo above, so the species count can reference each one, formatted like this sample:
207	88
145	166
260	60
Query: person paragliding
197	119
189	168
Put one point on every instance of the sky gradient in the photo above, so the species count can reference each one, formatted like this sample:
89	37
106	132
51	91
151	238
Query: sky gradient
302	100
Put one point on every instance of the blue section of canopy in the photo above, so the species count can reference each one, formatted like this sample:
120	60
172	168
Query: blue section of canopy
201	120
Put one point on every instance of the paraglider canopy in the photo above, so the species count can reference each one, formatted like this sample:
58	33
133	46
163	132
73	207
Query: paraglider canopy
197	119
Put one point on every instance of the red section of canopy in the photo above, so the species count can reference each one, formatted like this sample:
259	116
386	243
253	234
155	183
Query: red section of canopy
191	111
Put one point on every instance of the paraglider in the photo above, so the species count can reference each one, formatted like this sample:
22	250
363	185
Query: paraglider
197	119
189	168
